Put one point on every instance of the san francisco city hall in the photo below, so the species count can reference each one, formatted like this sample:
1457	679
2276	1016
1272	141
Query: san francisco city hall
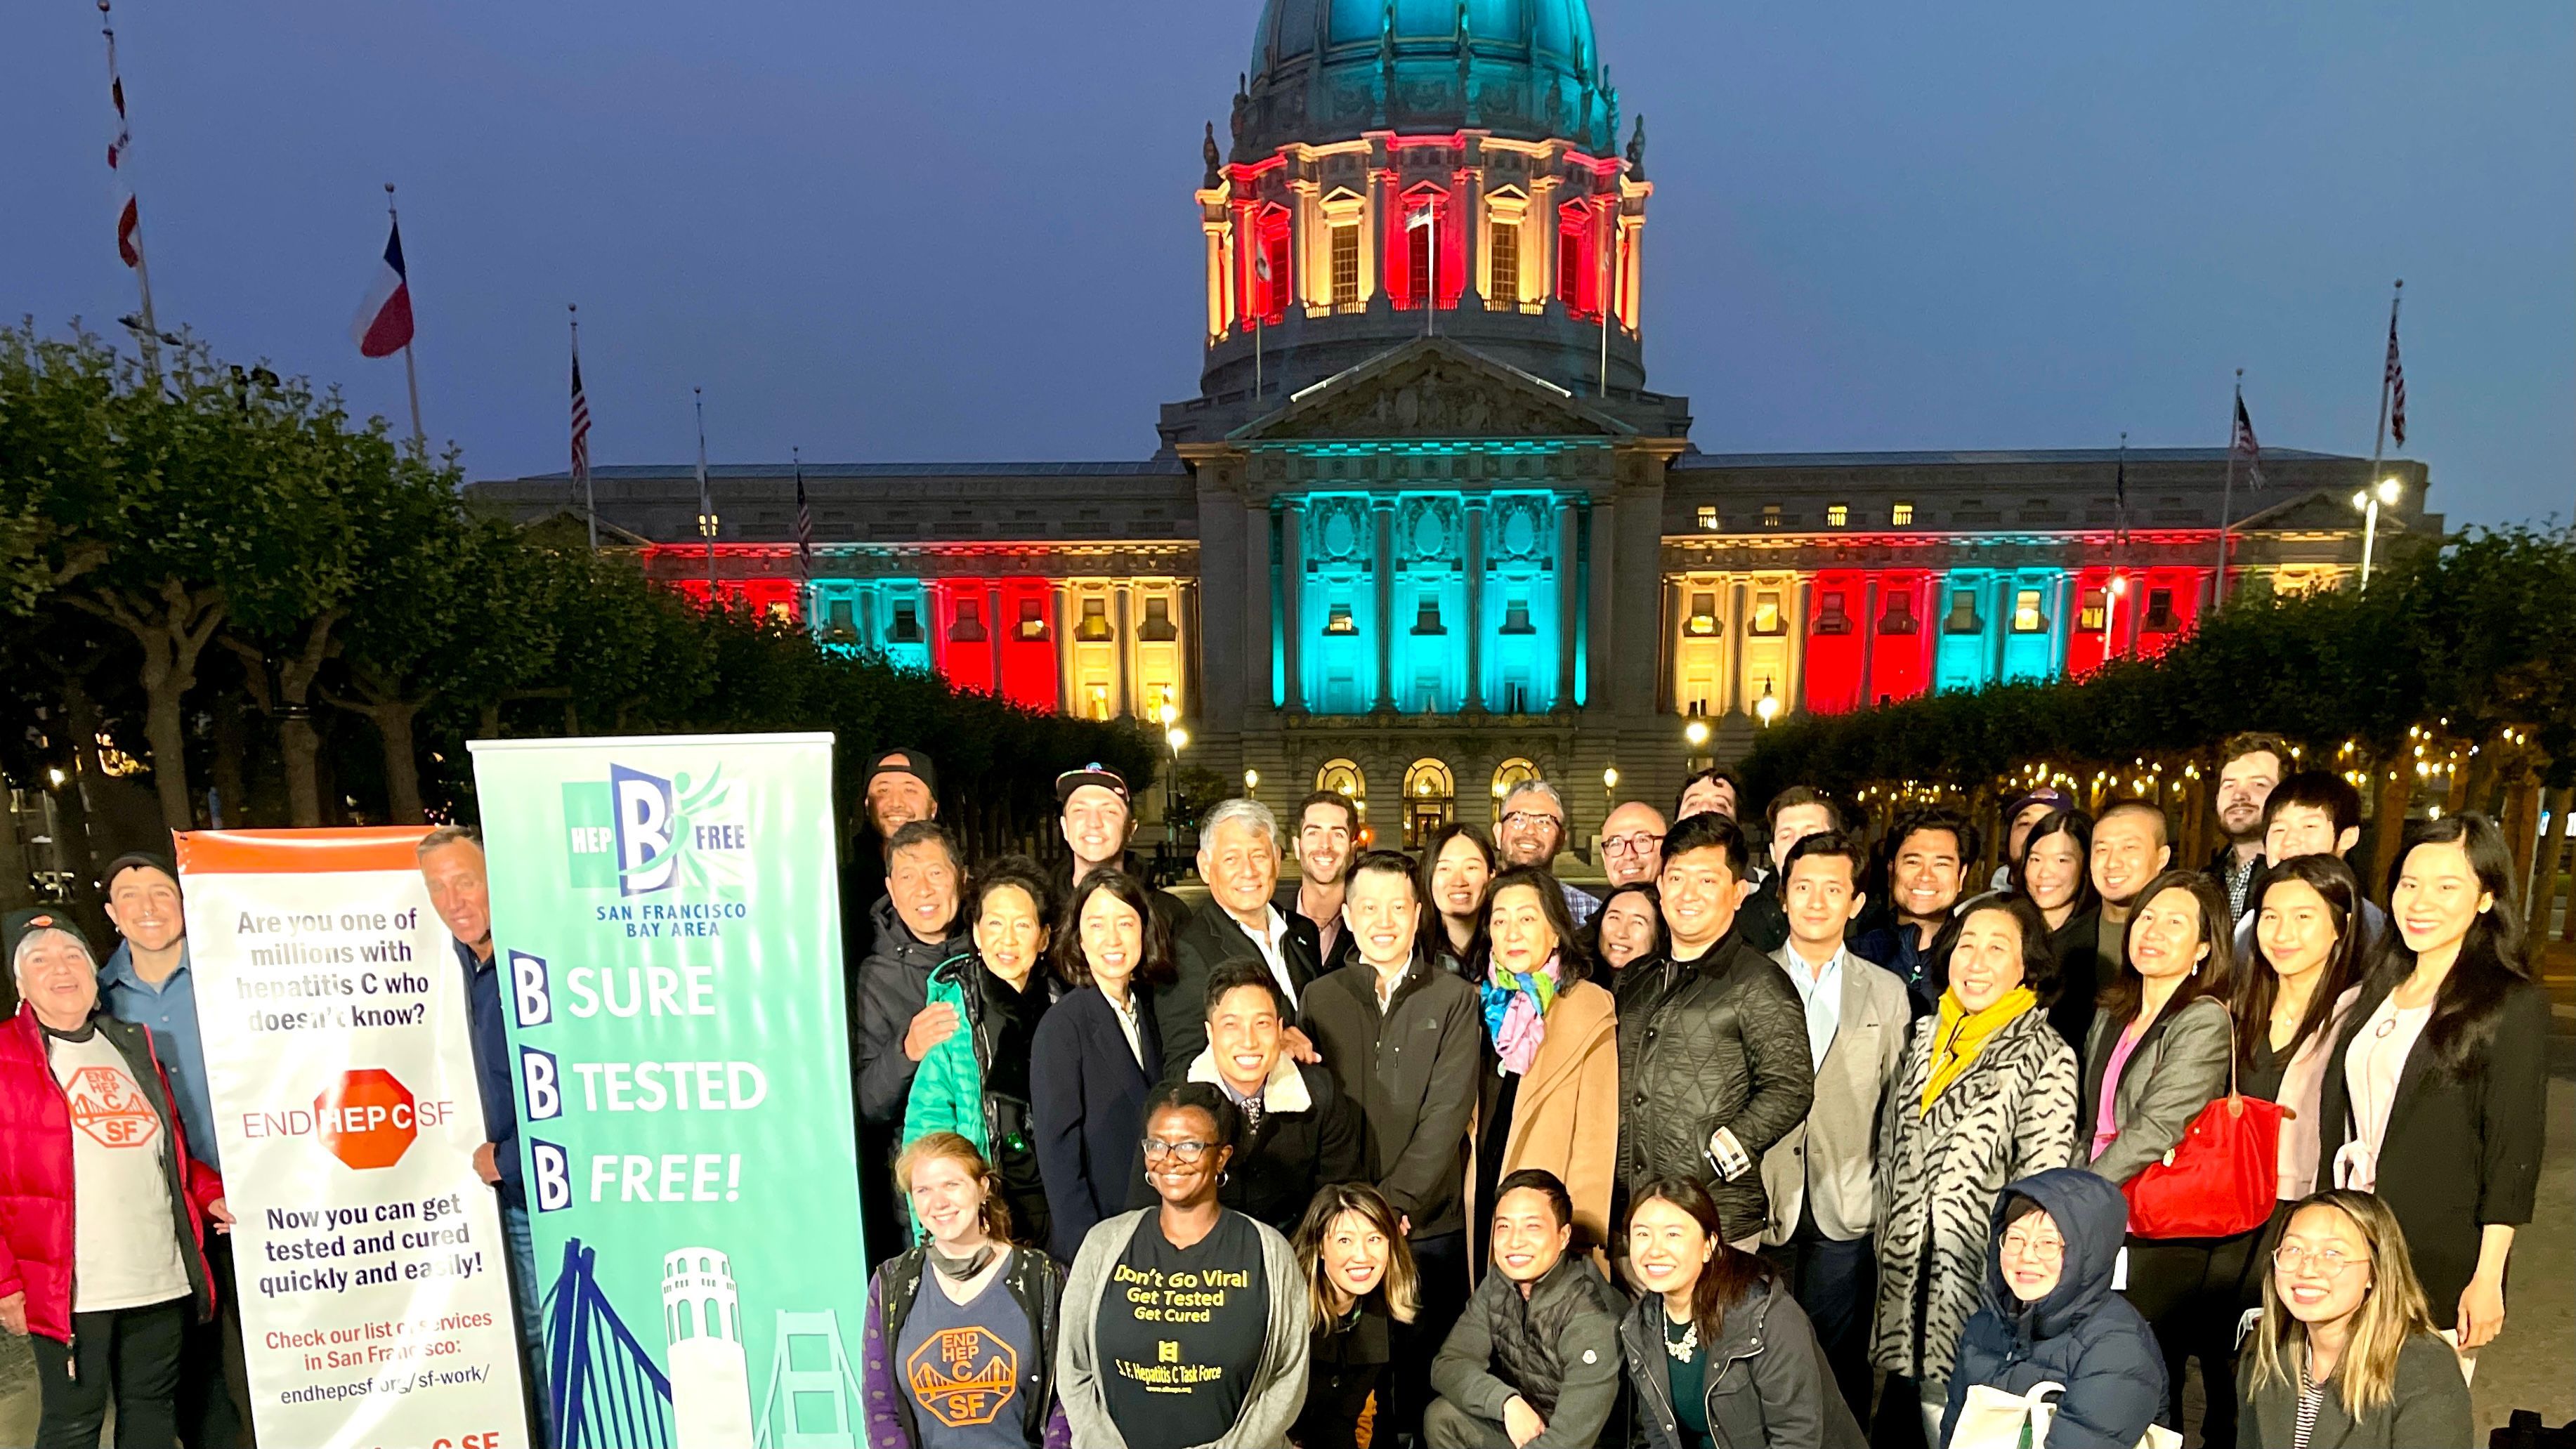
1420	558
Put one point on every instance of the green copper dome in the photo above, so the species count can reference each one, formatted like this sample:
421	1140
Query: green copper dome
1328	70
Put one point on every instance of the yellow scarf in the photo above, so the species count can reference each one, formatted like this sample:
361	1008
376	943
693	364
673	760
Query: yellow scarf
1960	1034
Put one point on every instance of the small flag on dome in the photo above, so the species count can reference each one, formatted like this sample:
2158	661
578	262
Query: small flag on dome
383	324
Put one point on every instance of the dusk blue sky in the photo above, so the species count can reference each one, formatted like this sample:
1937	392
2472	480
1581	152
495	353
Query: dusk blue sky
964	230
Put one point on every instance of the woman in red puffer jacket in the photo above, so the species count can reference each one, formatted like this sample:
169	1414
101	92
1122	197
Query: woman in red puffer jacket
102	1210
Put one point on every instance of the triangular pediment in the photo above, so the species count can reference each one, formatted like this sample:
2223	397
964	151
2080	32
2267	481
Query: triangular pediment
2322	511
1432	388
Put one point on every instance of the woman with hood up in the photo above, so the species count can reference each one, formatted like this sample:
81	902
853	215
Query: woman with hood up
2050	1315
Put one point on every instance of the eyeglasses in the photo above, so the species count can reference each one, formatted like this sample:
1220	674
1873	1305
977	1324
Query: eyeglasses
2328	1263
1639	844
1527	818
1187	1151
2021	1247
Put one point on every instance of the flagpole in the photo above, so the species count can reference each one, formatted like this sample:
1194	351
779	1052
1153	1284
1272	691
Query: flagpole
706	494
1431	259
589	494
117	157
2227	499
2379	441
2119	582
411	371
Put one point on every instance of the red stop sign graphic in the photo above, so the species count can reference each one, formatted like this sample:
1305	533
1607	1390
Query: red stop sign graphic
366	1119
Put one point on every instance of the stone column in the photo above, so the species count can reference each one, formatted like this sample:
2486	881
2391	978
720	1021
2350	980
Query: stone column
1471	236
1215	278
1371	284
1292	604
1475	608
1126	627
993	632
1253	568
1188	682
1675	617
1382	537
1225	670
1060	637
1737	679
1601	628
1868	639
1568	524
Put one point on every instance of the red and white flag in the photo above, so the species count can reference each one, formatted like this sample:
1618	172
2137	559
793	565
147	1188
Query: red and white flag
129	219
383	324
580	425
1418	217
2396	383
2243	444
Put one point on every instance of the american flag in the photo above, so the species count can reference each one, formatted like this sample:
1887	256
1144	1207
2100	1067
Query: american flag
129	220
2396	382
2244	446
580	424
804	526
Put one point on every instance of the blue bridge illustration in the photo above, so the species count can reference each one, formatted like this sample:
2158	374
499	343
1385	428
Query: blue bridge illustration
608	1392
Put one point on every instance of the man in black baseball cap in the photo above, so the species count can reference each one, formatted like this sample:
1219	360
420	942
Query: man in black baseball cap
901	786
1095	812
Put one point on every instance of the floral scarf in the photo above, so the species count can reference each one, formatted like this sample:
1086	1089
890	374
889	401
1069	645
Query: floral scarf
1516	1012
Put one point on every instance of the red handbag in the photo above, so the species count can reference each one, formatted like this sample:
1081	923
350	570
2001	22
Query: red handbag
2222	1178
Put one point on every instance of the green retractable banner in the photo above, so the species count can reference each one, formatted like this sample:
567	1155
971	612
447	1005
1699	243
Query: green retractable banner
668	916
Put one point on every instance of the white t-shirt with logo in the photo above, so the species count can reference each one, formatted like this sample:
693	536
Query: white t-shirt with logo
125	1248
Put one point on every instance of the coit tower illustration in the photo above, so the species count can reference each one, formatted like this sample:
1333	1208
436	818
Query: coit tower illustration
710	1386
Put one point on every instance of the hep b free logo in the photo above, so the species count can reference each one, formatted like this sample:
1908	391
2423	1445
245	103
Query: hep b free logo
643	833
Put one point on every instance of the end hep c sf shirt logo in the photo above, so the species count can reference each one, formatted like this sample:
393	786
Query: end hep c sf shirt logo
108	1106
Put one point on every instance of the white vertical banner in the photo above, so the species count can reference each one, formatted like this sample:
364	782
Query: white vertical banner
374	1280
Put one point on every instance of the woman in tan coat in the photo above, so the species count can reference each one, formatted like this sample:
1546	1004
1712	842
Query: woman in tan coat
1548	1096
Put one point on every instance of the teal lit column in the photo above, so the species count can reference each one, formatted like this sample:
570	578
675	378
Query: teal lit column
1600	626
1567	523
1382	538
1475	610
1260	649
1292	567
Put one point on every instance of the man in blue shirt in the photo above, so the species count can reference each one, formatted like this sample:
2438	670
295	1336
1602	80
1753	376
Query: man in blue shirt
147	982
451	863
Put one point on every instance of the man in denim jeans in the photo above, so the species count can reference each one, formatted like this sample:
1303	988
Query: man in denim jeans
451	861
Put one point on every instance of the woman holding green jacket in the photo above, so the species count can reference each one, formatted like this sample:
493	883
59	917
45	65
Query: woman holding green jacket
976	1083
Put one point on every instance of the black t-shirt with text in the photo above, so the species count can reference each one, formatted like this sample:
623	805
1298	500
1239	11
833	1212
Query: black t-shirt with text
1181	1332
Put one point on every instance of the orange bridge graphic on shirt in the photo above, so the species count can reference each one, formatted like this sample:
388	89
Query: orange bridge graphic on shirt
108	1106
962	1376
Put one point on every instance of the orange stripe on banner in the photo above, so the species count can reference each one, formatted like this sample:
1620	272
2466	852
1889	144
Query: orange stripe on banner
270	852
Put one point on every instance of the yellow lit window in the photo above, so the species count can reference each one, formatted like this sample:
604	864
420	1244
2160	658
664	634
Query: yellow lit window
2026	616
1703	614
1837	515
1346	264
1708	518
1901	515
1770	515
1339	620
1503	262
1766	613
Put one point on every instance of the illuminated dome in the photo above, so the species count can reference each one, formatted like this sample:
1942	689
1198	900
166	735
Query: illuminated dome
1327	70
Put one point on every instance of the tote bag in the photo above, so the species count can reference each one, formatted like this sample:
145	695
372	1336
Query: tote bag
2222	1178
1993	1419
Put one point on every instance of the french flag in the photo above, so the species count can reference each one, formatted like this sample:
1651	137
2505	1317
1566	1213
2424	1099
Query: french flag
383	324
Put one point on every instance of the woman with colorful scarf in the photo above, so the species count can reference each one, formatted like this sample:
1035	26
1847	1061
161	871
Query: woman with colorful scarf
1549	1093
1988	1094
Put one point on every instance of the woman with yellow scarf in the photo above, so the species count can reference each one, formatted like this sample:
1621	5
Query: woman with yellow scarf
1988	1093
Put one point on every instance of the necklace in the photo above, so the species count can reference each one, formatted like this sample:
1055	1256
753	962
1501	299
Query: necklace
1684	1348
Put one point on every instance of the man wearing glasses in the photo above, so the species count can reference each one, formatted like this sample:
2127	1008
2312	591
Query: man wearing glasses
1632	844
1533	831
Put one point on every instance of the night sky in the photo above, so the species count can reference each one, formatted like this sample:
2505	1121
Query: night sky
964	230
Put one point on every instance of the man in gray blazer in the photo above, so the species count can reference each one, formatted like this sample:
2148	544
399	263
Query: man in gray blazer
1822	1178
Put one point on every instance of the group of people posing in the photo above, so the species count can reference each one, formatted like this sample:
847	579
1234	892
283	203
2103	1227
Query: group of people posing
1823	1148
1817	1146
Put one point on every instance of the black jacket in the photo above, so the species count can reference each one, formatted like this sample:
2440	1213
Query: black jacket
1167	908
1718	1042
1088	1096
894	985
1346	1362
1412	1069
2080	974
1208	939
2460	1152
1346	947
1763	921
1557	1348
1766	1381
2430	1406
2083	1335
1309	1135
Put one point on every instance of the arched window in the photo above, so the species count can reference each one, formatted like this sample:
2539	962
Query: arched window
684	1324
1343	778
1430	795
1510	775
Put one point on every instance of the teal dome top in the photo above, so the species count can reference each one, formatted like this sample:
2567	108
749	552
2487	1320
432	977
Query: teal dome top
1327	70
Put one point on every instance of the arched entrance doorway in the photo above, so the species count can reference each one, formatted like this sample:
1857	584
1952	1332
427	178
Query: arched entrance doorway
1344	778
1430	796
1510	775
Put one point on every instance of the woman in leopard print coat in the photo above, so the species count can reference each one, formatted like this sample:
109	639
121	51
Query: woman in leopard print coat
2005	1107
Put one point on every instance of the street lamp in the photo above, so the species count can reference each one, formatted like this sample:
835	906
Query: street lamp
1695	734
1251	784
1179	739
2369	501
2110	610
1767	708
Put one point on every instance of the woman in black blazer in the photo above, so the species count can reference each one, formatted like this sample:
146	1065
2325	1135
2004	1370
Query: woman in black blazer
2437	1090
1097	1054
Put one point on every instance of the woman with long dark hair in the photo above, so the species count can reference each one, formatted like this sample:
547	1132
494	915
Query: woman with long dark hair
1629	927
2289	1001
1097	1053
1457	864
2051	873
2436	1092
1549	1093
1717	1348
